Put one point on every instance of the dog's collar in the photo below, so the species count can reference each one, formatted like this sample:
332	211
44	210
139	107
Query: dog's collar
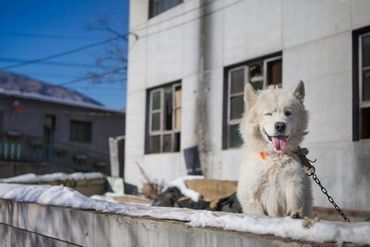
262	155
301	153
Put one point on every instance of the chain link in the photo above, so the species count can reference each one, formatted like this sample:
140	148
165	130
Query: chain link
330	199
310	170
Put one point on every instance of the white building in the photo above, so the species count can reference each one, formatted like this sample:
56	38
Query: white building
188	63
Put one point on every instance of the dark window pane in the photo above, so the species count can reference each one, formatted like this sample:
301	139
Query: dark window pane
236	107
235	139
167	141
256	75
155	144
168	103
80	131
366	51
159	6
274	73
177	142
237	81
365	123
49	122
156	100
156	121
366	85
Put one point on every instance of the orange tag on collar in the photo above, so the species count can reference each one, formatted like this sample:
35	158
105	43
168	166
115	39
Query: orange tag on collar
262	155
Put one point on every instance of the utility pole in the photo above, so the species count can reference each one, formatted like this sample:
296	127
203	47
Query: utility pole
202	111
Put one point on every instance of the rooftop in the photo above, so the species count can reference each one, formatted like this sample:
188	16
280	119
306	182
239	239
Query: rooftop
20	86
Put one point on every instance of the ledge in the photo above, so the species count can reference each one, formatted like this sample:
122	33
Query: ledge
65	215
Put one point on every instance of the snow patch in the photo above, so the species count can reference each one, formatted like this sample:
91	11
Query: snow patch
180	184
33	178
103	198
322	231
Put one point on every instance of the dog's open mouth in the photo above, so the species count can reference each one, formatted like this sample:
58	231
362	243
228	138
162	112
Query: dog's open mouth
278	142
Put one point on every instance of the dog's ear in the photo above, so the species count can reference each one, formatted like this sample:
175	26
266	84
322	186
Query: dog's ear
299	91
250	95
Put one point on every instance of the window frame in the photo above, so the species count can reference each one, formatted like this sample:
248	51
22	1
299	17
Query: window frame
361	69
161	132
227	122
232	122
357	103
160	110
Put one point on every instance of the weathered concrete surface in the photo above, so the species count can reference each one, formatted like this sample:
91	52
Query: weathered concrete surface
11	236
25	224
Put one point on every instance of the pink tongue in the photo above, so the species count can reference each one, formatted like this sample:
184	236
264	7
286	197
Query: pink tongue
279	143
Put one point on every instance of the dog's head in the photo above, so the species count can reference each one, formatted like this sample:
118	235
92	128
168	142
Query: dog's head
274	119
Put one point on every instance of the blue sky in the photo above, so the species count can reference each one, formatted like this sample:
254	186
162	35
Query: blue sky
67	19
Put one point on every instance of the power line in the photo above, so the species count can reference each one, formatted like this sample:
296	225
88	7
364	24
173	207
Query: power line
47	36
4	59
58	54
95	89
189	21
91	77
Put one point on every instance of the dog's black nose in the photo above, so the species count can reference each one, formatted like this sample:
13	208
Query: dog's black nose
280	126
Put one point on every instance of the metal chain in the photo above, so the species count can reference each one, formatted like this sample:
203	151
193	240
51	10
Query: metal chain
325	191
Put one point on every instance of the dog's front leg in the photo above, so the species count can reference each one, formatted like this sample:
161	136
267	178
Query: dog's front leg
294	200
253	207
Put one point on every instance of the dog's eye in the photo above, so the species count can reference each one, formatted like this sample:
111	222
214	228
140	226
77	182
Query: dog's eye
268	114
288	113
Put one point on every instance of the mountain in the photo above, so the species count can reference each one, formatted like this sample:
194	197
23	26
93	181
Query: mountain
24	84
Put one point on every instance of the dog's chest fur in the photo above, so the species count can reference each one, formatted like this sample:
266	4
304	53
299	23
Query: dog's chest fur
266	184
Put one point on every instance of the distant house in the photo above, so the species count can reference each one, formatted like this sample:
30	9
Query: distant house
188	63
42	123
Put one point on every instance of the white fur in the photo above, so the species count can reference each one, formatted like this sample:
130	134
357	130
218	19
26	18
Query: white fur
278	185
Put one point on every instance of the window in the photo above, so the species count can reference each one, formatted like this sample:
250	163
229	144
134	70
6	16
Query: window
164	119
362	85
159	6
260	73
80	131
49	122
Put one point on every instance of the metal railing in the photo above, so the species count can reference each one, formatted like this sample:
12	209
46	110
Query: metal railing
33	149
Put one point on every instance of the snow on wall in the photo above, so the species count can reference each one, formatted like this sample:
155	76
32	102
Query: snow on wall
322	231
33	178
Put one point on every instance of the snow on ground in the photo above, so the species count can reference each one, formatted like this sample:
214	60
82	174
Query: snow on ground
180	184
104	197
322	231
33	178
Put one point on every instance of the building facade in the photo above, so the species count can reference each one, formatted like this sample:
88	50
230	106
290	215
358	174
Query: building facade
189	60
36	129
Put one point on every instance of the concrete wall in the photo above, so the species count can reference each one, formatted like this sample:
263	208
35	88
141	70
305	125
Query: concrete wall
315	38
30	122
26	224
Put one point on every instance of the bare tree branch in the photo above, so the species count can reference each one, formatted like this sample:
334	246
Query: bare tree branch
112	66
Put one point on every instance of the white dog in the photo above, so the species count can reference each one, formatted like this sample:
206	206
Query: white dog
272	179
